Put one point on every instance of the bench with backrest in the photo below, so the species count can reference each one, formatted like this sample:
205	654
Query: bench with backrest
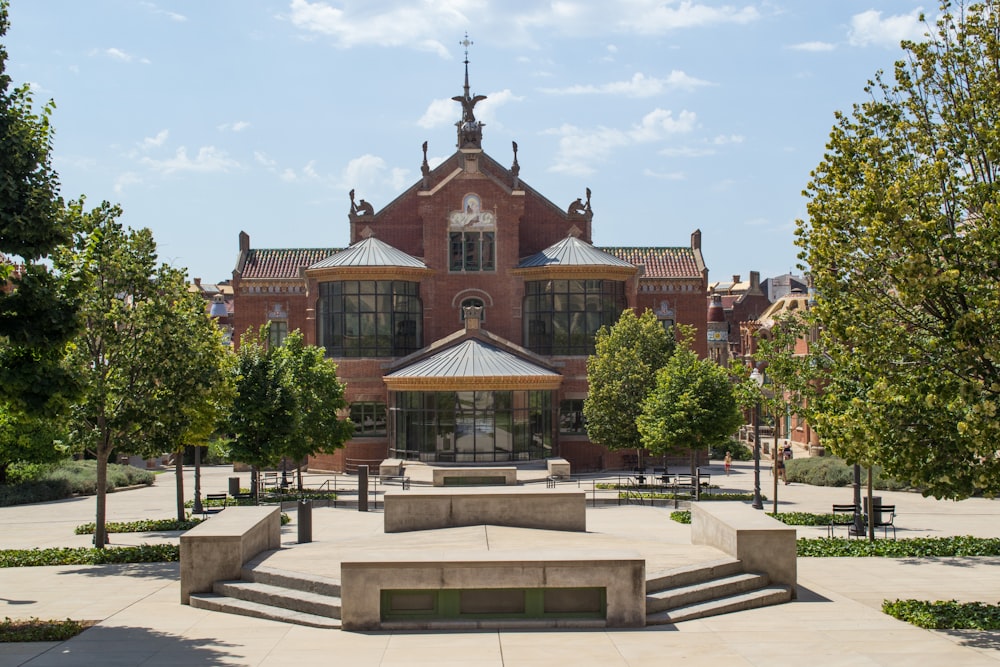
842	515
212	503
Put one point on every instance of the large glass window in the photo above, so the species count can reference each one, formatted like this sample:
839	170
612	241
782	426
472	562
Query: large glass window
563	316
369	318
369	419
472	251
571	420
471	425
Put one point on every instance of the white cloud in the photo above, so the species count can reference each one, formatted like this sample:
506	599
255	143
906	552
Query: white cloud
723	139
815	47
639	85
579	149
687	151
410	26
364	170
264	159
208	160
657	16
173	16
155	142
664	175
870	29
125	180
447	111
238	126
123	56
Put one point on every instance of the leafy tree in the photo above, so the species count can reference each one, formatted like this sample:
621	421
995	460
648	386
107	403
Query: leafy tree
287	401
692	406
621	373
38	308
25	437
319	396
903	240
187	385
262	415
136	315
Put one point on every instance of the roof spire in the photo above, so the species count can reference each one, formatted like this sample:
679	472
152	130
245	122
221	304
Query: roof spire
470	131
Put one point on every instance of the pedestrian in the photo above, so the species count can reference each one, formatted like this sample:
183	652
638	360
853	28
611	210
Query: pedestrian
728	462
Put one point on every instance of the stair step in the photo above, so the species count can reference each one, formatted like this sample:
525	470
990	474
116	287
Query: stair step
254	571
759	598
213	602
692	574
705	590
279	596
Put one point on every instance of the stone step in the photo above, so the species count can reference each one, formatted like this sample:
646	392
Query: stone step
705	590
693	574
279	596
759	598
254	570
229	605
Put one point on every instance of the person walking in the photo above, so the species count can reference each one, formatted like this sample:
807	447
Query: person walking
728	462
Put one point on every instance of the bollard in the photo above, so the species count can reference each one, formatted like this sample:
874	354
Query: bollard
234	486
305	521
362	488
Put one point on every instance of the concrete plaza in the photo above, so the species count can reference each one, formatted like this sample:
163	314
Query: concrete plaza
835	621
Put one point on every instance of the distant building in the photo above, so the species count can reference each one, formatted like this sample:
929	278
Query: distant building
462	312
218	304
738	301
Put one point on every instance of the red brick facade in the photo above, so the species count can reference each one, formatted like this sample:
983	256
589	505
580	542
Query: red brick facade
278	285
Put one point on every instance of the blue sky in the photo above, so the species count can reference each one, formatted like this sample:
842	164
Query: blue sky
206	118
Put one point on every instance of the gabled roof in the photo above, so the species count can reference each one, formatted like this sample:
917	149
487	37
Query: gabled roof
281	263
473	364
369	252
571	251
660	262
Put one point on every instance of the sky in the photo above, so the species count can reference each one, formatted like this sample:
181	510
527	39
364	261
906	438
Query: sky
203	118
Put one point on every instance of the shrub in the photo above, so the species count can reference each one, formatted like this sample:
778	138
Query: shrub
736	449
915	547
832	471
143	553
681	516
945	615
144	526
219	452
34	630
38	491
68	478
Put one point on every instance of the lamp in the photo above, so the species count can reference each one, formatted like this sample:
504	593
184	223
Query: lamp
758	379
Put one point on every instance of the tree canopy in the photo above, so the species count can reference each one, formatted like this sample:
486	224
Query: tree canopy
621	373
903	244
692	406
38	307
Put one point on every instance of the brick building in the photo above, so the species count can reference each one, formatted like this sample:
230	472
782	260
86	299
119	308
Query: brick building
462	312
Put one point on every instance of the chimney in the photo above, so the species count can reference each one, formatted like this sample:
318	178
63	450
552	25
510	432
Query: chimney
197	282
736	278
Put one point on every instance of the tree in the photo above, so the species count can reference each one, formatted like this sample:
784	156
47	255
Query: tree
187	384
903	243
621	373
136	320
262	414
38	308
319	398
692	405
287	401
27	438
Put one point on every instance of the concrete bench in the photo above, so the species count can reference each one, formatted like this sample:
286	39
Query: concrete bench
217	549
606	589
761	543
431	509
558	468
494	476
390	468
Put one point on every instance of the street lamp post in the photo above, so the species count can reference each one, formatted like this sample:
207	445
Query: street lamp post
197	508
757	504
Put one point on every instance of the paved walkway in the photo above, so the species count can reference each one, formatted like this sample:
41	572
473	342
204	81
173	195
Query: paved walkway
835	621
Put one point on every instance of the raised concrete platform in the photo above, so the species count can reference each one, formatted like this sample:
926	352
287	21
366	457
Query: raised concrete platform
420	509
474	476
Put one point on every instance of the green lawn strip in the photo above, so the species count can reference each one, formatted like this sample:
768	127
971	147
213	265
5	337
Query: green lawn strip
35	630
945	615
143	553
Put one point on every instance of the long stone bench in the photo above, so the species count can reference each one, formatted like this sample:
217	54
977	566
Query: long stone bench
216	549
498	589
762	543
480	476
428	510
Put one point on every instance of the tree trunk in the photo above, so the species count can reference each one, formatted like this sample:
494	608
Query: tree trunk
103	454
179	476
871	509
